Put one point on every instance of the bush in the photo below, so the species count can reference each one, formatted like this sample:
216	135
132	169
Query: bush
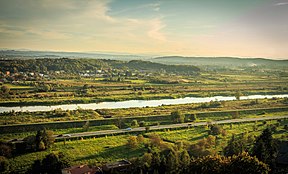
235	115
4	164
147	128
52	163
86	126
207	164
243	163
5	89
142	123
5	150
215	129
132	142
140	138
193	117
155	140
134	123
177	117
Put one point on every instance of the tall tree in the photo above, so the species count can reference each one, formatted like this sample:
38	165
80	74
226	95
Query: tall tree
235	146
4	164
193	117
172	162
5	150
184	160
51	164
134	123
177	117
265	148
47	138
243	163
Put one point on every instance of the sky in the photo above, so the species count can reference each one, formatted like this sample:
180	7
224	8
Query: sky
244	28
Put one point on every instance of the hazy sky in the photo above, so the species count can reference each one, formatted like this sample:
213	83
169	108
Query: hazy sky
245	28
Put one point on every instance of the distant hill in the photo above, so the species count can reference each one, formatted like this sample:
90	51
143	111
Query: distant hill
219	61
79	65
24	54
152	66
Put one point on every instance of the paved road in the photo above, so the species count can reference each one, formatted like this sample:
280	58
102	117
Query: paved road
170	126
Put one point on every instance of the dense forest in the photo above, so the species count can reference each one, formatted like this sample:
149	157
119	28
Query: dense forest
82	65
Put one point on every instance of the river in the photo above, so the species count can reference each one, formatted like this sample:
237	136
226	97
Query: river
135	103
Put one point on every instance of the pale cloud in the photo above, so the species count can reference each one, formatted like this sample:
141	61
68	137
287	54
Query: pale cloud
95	25
98	10
281	3
155	31
152	6
155	6
48	34
88	24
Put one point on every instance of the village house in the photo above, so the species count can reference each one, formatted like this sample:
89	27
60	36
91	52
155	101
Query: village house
119	166
81	169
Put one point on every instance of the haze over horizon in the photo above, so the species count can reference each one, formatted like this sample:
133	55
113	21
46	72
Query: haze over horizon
247	28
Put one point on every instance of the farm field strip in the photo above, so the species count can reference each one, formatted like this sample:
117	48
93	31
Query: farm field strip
171	126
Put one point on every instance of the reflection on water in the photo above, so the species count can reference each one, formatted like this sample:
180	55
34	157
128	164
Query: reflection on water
135	103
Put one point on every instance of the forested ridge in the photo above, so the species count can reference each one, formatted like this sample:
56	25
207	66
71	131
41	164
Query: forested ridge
79	65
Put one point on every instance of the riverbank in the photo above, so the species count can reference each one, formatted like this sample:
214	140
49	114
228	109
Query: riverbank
134	103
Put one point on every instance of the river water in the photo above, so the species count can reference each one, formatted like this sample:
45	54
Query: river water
135	103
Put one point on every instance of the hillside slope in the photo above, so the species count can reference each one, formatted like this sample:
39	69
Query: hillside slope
220	61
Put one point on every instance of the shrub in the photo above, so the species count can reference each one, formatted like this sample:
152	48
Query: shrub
5	150
140	138
142	123
215	129
243	163
52	163
86	126
235	115
4	164
193	117
132	142
134	123
147	128
155	140
177	117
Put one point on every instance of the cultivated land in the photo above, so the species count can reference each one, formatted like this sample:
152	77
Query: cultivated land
112	148
65	81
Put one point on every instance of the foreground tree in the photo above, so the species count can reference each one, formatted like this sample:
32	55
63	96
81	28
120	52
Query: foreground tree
170	160
5	150
4	164
244	163
207	164
184	160
44	139
52	164
265	148
235	146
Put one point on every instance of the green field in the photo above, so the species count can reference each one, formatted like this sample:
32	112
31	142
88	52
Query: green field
32	82
112	148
